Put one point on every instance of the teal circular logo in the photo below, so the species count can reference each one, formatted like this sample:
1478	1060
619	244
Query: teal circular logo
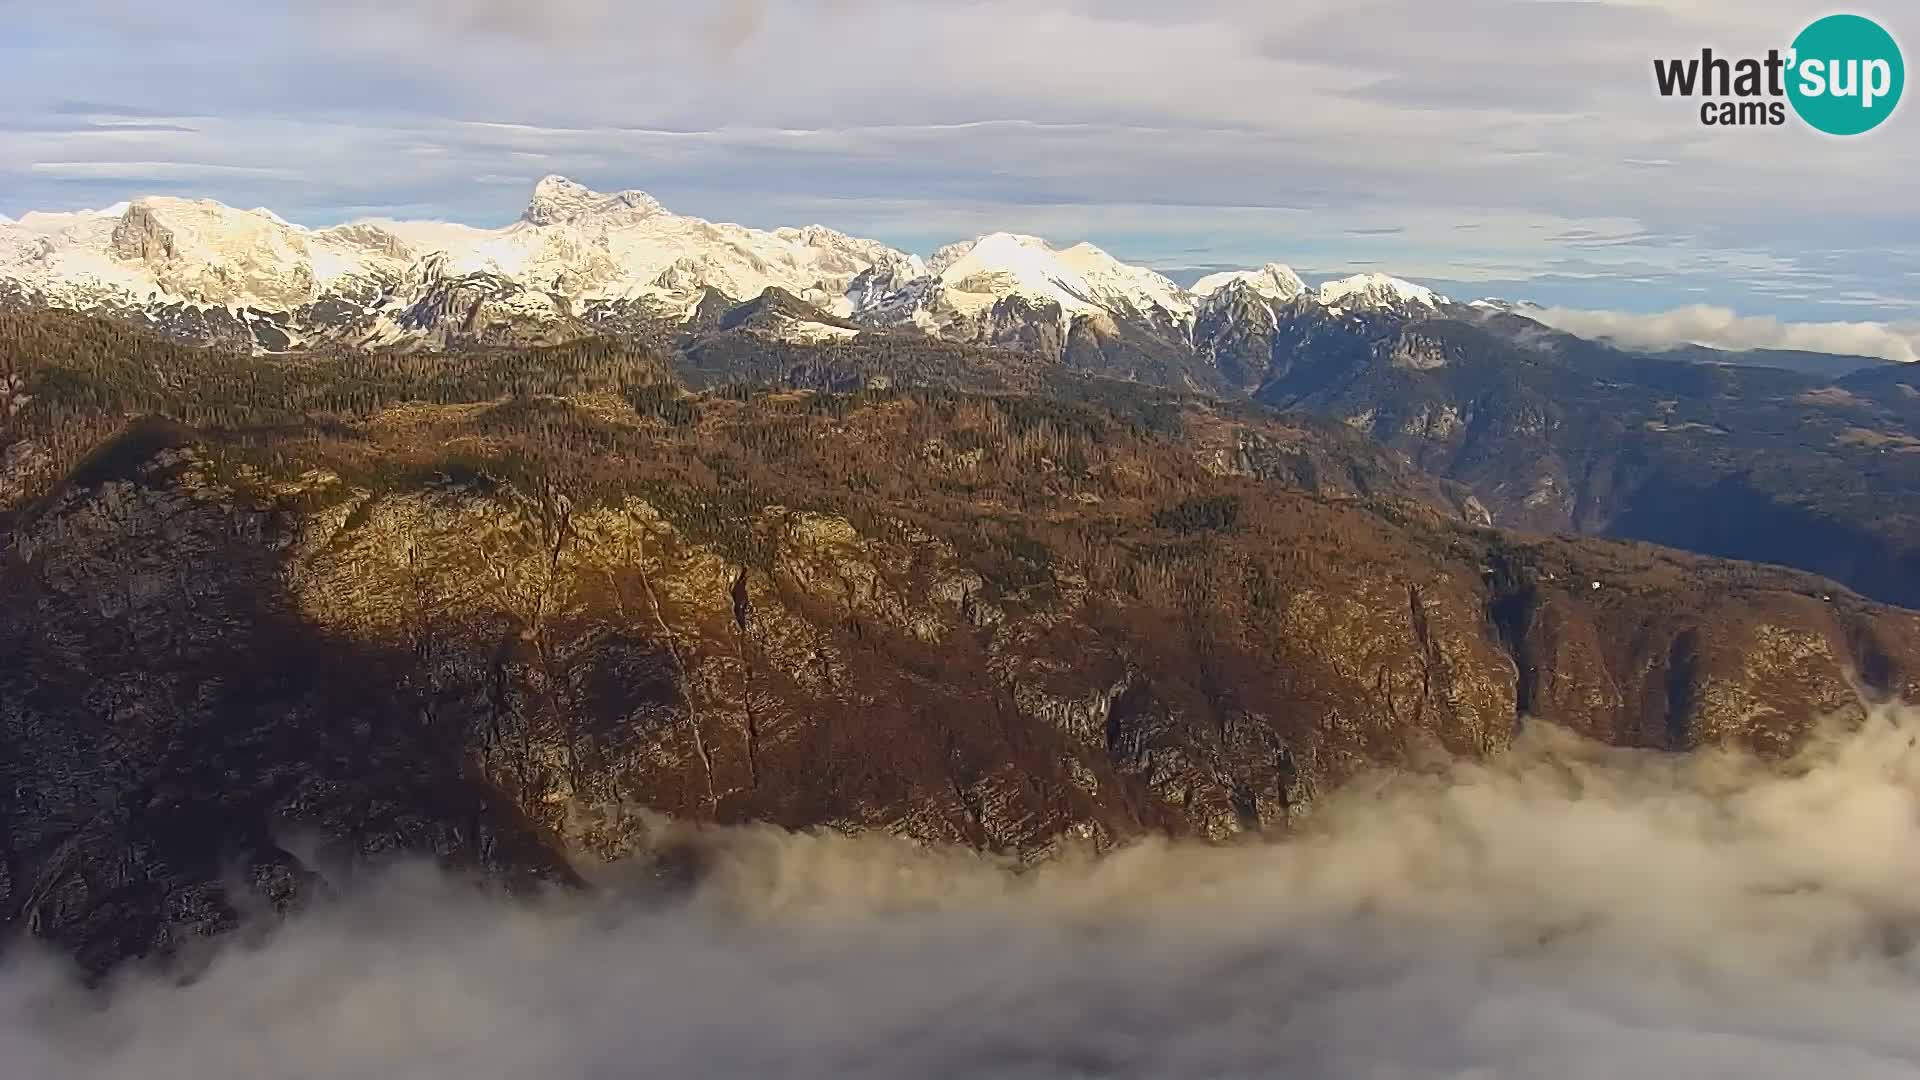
1846	75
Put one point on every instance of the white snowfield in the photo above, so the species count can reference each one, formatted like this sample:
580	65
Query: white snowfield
573	246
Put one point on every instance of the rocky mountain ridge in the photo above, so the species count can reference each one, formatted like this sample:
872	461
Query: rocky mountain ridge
507	609
577	260
206	272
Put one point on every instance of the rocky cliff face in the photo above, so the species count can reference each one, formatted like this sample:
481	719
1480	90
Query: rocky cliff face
512	634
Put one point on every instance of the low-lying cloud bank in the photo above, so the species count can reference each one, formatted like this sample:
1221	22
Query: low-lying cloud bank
1722	328
1568	911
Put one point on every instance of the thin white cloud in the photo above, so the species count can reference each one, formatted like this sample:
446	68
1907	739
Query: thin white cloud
1722	328
159	170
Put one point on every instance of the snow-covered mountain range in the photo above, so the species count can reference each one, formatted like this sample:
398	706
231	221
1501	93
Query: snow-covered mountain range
579	261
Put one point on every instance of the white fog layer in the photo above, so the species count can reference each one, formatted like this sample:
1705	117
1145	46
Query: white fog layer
1567	912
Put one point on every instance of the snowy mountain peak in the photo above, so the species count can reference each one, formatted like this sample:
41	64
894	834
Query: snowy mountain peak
977	273
1120	286
1016	289
557	200
999	247
1274	281
1363	291
580	260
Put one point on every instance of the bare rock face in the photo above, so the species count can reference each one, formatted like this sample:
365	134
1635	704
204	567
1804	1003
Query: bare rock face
1034	326
886	277
140	235
227	681
1416	352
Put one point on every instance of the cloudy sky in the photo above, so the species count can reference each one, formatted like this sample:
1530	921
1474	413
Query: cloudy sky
1503	147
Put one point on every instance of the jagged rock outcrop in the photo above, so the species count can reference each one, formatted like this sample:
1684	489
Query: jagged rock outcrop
484	311
139	235
557	200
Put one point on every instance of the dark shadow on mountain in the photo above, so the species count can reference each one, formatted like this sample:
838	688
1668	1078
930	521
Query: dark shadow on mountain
171	726
1731	519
